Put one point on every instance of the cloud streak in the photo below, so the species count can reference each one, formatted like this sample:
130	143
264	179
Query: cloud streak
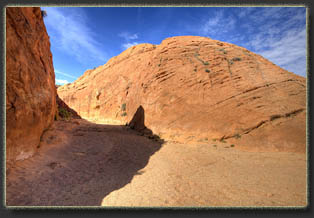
289	52
128	45
61	81
218	24
64	74
70	33
277	33
280	36
128	37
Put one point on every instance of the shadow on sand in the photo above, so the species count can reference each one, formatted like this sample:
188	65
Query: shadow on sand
92	162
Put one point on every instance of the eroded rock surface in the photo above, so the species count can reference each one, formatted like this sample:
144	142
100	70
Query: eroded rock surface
30	82
195	88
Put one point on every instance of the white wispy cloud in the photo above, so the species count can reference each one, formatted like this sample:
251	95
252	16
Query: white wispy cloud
69	32
245	11
61	81
218	24
128	45
259	16
65	74
289	52
128	36
277	33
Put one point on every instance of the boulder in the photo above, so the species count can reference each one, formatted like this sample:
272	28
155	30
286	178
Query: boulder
138	119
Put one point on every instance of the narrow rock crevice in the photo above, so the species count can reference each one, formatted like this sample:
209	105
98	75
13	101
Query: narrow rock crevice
252	89
44	66
274	117
247	131
263	122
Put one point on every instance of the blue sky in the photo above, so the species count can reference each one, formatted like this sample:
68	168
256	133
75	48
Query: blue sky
84	38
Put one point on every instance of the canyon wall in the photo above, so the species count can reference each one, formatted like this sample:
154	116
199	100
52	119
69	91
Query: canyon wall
30	81
195	89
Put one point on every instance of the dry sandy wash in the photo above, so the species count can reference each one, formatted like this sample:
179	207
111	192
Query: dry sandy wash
80	163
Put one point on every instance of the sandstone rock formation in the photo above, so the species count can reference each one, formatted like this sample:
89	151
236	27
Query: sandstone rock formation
197	89
30	82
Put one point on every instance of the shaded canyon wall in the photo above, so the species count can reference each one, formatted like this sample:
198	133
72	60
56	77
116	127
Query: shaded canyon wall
30	81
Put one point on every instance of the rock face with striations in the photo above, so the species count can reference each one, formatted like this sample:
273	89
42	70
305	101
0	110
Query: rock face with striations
30	82
197	89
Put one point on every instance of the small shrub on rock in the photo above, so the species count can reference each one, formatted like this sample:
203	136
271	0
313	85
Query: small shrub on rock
63	113
223	50
236	59
123	107
222	140
237	136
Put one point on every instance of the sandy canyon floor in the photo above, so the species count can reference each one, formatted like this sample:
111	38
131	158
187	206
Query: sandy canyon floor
80	163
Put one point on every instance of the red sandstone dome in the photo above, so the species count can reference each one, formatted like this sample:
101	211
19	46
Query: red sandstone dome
195	88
